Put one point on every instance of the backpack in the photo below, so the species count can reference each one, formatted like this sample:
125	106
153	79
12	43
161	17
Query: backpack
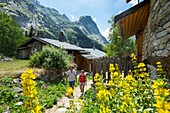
82	78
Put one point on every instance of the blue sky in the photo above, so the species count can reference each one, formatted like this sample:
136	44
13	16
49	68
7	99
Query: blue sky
100	10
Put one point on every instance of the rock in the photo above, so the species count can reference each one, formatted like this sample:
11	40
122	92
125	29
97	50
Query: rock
165	53
167	25
19	103
161	34
162	46
17	89
16	96
61	110
17	81
168	46
159	53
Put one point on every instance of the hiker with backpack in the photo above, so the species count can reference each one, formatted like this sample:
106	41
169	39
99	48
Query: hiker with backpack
82	81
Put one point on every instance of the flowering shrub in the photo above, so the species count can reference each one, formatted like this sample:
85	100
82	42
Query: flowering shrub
134	93
29	92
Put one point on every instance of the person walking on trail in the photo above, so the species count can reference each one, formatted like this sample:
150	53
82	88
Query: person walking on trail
71	74
82	81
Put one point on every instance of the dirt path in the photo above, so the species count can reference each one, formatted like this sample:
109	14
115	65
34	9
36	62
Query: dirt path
63	103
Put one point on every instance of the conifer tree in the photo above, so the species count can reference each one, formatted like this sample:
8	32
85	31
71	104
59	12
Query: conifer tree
11	35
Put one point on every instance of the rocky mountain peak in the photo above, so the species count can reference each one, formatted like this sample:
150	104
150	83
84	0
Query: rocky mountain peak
92	28
89	24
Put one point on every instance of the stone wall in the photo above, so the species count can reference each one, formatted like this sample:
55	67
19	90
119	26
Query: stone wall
156	42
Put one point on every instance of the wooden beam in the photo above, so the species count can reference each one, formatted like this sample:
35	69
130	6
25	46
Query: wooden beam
131	10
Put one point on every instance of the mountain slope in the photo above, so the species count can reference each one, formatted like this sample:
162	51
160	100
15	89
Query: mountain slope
92	28
30	13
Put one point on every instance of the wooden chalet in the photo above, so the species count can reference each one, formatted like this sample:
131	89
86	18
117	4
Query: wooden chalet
82	56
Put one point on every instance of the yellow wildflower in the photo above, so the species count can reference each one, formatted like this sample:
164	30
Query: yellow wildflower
158	63
70	91
104	109
141	65
159	104
166	92
116	73
167	105
160	111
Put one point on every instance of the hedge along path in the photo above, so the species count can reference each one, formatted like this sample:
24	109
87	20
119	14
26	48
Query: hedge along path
63	103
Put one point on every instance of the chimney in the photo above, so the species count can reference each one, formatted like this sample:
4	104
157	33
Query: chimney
62	38
94	47
40	34
77	43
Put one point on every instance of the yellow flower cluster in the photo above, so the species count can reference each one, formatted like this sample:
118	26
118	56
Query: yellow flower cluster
159	67
161	95
136	92
103	95
70	92
132	94
104	109
29	92
133	56
112	68
72	107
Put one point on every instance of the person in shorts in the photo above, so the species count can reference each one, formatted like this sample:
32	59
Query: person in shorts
82	81
71	75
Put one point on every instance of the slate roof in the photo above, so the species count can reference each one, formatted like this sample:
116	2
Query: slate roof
56	43
93	53
64	45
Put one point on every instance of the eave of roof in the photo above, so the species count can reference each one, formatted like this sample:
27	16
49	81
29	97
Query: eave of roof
133	20
93	53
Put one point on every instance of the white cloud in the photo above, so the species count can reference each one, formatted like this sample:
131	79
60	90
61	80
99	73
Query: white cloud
94	19
133	2
105	33
74	18
119	12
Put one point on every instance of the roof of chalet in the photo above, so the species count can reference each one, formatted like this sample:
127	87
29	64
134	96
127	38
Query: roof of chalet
56	43
64	45
133	20
93	53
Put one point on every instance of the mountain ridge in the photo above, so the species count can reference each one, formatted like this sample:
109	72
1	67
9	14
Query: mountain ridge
31	13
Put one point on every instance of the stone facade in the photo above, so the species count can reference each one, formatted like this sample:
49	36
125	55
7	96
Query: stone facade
156	36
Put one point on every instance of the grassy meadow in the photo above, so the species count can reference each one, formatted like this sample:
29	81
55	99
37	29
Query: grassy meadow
12	68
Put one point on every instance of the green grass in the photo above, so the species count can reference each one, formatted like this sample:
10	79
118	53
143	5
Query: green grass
49	93
13	68
13	65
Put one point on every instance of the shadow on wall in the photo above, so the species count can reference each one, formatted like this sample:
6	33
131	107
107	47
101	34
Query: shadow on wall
165	61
